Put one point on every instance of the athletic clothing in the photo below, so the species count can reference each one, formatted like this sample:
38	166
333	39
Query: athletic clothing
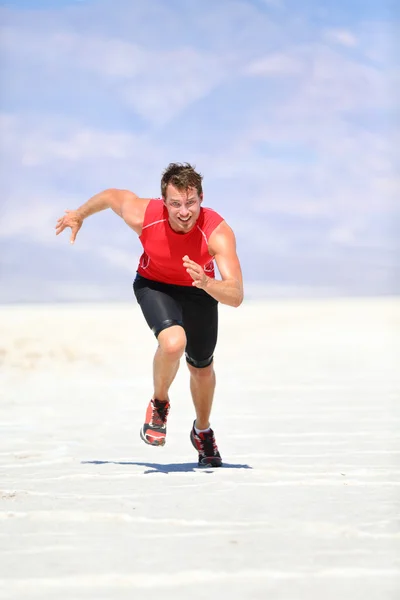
164	248
164	305
164	289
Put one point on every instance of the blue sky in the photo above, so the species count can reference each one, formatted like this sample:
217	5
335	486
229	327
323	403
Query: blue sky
288	108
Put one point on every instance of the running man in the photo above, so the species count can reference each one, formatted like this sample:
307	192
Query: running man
176	289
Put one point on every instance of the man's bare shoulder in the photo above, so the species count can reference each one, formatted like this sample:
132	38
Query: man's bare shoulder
222	236
133	209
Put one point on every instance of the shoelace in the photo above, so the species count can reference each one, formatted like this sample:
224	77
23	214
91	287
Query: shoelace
208	444
160	413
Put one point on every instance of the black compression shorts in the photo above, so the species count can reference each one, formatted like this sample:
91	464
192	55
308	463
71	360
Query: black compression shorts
164	305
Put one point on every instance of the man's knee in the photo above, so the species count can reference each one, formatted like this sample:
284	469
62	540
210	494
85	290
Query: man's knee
200	371
172	341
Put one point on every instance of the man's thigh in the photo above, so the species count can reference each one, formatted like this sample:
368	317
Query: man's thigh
158	303
200	320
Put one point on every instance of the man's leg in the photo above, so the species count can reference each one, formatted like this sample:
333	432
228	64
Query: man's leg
171	346
163	314
202	387
201	324
200	317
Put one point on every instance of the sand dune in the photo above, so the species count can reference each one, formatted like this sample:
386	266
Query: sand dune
307	419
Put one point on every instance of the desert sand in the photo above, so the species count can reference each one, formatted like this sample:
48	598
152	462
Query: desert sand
307	419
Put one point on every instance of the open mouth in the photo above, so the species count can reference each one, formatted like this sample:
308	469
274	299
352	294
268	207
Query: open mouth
184	220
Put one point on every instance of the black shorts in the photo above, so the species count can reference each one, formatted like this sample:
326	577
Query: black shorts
164	305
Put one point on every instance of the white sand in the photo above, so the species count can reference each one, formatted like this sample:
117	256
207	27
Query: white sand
307	419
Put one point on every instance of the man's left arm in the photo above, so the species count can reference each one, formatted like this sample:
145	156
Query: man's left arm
222	245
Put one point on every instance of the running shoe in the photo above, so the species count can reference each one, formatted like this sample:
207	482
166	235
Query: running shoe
207	448
154	429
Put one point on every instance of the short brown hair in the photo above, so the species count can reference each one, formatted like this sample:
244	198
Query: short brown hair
182	176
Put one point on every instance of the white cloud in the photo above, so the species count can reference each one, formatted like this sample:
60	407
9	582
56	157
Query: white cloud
118	257
157	84
274	3
171	82
342	37
78	145
276	110
328	163
43	142
62	48
278	64
379	41
343	235
31	217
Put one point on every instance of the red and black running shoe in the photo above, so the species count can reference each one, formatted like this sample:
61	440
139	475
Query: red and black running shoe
207	448
154	429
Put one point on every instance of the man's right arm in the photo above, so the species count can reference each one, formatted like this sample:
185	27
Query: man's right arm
124	203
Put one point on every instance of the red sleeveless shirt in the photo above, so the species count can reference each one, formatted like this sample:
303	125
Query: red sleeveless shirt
164	248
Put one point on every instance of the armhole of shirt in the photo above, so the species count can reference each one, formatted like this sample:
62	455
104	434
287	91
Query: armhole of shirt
153	212
213	219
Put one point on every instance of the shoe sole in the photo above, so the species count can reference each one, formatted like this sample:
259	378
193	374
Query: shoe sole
159	442
212	462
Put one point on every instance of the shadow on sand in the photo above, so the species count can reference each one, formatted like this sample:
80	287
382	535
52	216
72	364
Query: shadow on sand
171	468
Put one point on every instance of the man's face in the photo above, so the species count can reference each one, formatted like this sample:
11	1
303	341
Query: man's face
183	208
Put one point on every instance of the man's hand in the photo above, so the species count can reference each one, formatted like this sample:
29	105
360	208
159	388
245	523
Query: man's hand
196	272
71	219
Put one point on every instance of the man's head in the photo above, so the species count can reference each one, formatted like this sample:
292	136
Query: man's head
182	193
